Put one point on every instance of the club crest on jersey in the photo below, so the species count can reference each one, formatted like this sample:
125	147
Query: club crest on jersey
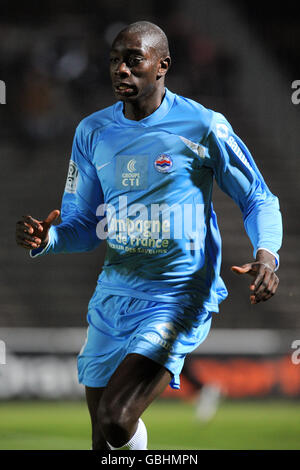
163	163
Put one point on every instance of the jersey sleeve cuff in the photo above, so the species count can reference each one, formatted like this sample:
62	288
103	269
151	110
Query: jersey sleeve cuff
40	251
271	253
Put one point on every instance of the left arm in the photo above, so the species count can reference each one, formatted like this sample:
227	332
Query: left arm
238	176
265	282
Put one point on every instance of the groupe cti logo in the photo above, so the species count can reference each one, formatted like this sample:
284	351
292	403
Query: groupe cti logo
2	92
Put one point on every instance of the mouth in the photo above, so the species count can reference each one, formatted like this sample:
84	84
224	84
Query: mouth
124	89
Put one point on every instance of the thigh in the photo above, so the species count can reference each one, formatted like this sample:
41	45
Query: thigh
136	382
168	336
106	340
93	398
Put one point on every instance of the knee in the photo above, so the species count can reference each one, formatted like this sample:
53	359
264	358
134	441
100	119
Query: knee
116	421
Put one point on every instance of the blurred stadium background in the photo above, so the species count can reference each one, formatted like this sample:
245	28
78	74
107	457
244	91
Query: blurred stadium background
239	58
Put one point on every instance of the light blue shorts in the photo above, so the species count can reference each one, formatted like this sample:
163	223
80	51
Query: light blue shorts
120	325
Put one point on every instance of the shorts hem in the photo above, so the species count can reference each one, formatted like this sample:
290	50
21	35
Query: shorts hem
93	383
175	381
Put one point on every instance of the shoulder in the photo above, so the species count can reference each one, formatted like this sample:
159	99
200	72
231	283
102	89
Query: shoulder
206	119
95	121
89	130
192	107
220	126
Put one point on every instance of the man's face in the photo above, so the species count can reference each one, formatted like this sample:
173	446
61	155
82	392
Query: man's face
134	67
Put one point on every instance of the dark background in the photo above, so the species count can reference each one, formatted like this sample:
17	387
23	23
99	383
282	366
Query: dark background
54	62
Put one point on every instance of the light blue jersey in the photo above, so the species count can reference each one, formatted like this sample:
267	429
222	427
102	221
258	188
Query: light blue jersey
146	188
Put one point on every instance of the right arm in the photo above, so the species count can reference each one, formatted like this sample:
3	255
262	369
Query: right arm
82	195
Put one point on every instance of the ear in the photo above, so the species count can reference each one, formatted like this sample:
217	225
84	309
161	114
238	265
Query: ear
163	67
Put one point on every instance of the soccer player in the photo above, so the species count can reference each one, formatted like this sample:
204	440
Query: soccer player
140	177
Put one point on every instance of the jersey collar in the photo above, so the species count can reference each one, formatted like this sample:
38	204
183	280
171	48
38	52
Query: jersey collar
150	120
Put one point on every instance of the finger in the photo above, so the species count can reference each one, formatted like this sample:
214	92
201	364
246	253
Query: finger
22	227
25	238
52	217
275	285
28	229
29	245
24	235
272	287
259	275
33	239
246	268
33	222
262	288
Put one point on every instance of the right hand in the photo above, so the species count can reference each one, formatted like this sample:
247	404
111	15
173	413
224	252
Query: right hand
32	233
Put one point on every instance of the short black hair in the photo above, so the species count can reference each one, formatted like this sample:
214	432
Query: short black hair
159	40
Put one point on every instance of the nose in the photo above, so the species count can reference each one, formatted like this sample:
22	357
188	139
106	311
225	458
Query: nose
122	70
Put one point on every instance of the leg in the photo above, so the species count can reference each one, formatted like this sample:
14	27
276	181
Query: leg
93	397
134	385
188	372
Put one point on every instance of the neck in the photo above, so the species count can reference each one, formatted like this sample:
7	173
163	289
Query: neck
145	106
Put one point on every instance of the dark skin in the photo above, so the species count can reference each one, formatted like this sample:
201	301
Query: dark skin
135	63
138	73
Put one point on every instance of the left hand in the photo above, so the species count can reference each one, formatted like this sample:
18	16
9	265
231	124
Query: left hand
265	282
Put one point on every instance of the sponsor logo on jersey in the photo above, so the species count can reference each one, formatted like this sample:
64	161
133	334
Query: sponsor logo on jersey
237	150
131	165
163	163
99	167
72	178
150	228
131	172
166	330
222	131
164	335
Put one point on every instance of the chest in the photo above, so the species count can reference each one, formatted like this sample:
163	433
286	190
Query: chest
143	161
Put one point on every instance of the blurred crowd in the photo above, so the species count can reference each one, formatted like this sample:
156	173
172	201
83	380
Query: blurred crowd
56	71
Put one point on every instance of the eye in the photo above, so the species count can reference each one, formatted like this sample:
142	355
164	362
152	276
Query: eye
134	61
114	60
